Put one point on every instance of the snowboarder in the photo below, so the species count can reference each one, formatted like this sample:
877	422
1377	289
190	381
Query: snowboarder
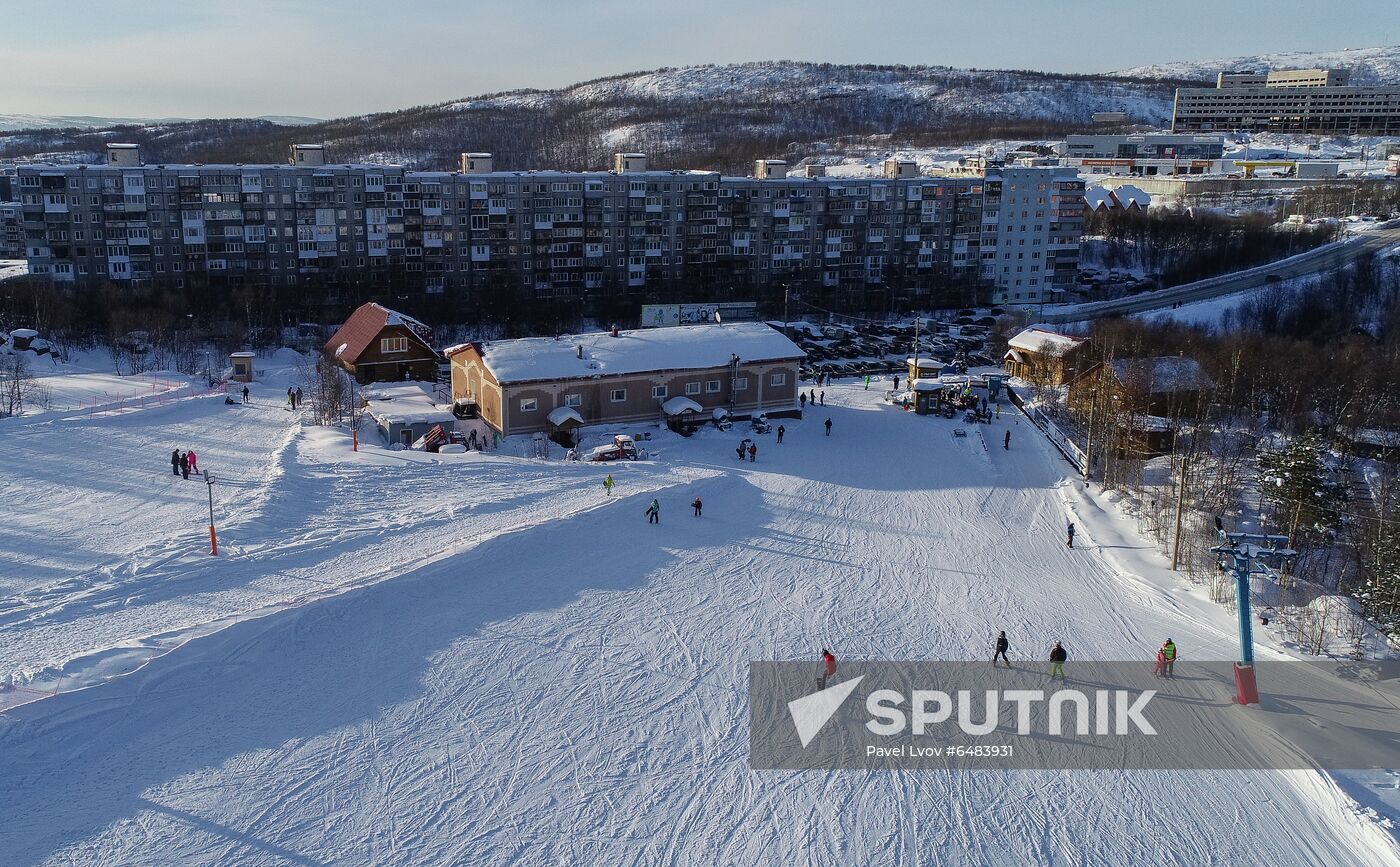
753	452
1168	657
194	467
828	668
297	394
803	399
823	398
1006	441
654	513
1069	535
1001	647
1058	655
696	506
608	484
781	431
245	394
175	462
185	467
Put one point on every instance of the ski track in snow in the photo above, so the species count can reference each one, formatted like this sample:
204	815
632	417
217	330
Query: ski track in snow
486	661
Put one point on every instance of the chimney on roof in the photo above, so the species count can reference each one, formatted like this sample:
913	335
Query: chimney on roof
897	168
308	155
812	171
476	163
124	155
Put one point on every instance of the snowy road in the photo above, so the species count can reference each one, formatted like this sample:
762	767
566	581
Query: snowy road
566	684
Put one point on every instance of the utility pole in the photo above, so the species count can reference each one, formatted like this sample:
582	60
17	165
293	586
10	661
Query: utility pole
1180	502
213	538
916	348
787	327
1243	549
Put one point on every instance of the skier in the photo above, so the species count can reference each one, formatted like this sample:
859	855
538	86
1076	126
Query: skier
608	484
803	398
823	398
753	452
175	462
1001	646
998	410
194	467
1058	655
1160	668
1006	441
245	394
291	400
1168	656
185	466
1069	535
654	513
828	427
867	382
696	506
781	431
828	668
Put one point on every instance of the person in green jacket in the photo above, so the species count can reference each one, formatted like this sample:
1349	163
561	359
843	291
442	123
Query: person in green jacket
608	484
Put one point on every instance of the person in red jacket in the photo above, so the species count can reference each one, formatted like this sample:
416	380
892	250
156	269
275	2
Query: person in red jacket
828	668
194	468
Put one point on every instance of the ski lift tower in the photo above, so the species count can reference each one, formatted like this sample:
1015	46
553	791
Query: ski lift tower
1239	555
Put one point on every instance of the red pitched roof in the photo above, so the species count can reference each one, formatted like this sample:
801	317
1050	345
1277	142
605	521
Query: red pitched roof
363	327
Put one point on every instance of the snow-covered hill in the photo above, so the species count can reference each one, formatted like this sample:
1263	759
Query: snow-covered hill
1367	65
16	122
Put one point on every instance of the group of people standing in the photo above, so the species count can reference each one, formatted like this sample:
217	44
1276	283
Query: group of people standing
812	397
293	398
183	463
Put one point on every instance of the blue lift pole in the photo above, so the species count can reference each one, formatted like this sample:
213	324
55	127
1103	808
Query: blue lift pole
1243	549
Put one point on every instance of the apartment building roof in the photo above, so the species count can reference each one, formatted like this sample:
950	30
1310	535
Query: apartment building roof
645	350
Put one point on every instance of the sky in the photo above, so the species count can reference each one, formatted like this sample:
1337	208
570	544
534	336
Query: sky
332	58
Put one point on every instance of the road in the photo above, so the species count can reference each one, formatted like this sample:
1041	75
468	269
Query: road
1312	262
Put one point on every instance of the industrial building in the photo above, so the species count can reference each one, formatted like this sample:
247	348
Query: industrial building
550	234
1312	101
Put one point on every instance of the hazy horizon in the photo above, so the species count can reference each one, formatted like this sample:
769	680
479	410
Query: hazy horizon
324	58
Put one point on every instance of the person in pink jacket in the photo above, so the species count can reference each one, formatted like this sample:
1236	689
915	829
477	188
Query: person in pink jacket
194	469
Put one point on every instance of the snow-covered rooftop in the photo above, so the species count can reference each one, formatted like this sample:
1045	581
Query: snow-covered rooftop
1163	374
679	404
404	403
1041	340
561	414
686	347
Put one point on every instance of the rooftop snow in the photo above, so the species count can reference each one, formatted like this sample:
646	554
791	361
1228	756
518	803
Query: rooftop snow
1163	374
686	347
1036	340
679	404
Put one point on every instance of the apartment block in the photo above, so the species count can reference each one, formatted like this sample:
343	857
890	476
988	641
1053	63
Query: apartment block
1311	101
543	234
11	231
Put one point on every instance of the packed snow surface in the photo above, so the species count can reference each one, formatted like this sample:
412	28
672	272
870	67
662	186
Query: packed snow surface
401	658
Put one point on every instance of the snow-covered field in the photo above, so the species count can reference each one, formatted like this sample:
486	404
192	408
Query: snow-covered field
402	658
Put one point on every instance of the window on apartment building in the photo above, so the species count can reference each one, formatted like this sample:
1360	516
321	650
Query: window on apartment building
692	388
573	400
393	344
741	383
618	395
658	391
777	379
529	404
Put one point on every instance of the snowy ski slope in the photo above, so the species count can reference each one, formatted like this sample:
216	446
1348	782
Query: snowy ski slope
484	660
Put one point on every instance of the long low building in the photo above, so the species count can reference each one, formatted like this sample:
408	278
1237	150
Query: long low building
515	386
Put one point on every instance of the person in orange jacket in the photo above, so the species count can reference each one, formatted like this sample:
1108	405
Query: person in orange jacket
828	668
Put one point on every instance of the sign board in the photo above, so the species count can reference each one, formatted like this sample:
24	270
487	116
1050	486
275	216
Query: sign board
664	315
